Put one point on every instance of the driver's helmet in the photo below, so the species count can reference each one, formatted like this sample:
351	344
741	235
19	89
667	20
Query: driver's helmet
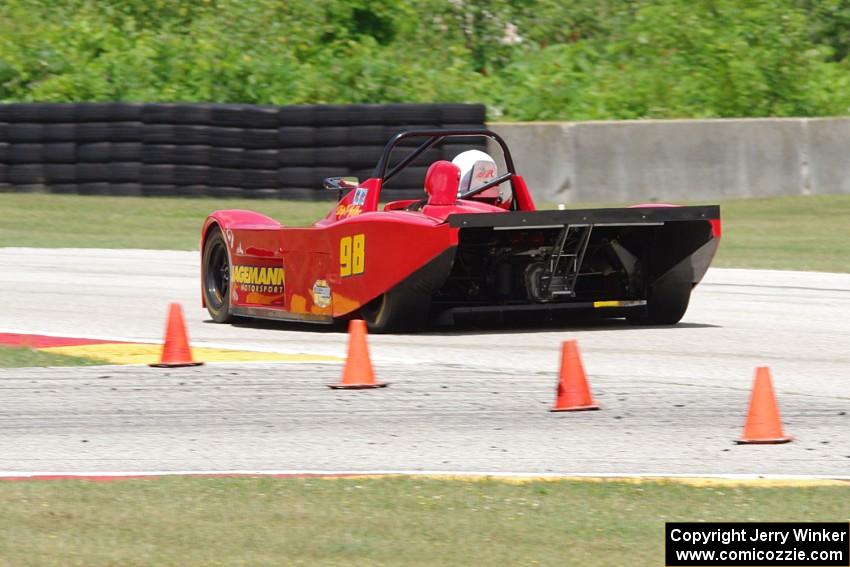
476	169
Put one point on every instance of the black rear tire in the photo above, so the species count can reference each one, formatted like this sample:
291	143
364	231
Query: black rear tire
216	271
397	310
666	305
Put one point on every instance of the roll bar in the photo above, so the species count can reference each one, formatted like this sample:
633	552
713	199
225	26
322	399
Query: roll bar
434	137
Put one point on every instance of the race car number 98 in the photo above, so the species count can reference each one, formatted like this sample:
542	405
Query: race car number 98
352	255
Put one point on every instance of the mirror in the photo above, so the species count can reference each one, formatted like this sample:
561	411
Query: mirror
341	183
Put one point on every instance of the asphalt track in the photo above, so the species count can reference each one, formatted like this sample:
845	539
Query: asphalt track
468	400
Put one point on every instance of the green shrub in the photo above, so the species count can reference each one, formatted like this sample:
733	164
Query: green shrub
527	59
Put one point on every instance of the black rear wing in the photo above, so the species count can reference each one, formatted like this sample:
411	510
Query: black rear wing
584	217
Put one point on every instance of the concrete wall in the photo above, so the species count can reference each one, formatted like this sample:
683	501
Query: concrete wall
675	160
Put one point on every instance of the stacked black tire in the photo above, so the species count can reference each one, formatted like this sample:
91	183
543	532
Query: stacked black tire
214	149
71	148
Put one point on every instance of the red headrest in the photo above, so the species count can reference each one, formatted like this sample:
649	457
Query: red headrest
441	183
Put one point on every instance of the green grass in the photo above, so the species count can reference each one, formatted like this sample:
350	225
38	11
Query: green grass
781	233
73	221
787	233
17	357
792	233
390	521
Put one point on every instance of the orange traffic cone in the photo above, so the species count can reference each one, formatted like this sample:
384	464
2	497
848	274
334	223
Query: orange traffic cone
357	373
176	351
764	425
573	390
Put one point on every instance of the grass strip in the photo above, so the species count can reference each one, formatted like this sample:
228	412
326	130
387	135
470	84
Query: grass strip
75	221
788	233
19	357
396	521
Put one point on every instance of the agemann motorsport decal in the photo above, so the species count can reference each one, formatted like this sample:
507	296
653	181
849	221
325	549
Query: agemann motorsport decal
256	279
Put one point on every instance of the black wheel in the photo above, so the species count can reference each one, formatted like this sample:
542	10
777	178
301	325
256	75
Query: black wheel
192	135
60	173
25	133
92	172
25	153
191	174
93	132
296	136
331	115
93	112
260	159
127	132
125	151
329	136
259	178
26	174
217	277
396	310
408	114
666	305
158	134
93	153
124	171
259	138
167	113
115	112
296	115
463	113
225	177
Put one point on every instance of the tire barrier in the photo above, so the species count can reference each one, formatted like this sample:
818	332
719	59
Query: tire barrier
218	150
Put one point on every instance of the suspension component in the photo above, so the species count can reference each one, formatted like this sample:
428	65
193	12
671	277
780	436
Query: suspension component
558	271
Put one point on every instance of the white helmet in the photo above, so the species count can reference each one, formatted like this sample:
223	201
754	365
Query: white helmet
476	169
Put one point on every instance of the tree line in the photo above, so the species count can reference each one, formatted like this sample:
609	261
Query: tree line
526	59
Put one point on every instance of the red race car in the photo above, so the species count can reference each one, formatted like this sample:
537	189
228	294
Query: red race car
472	246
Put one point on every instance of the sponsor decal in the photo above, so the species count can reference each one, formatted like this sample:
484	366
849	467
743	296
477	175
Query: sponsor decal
359	196
321	293
347	211
485	174
256	279
619	303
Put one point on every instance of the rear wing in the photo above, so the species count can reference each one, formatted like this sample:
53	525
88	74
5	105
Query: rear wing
584	217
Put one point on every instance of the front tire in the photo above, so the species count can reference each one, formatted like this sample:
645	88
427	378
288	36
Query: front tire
666	305
216	272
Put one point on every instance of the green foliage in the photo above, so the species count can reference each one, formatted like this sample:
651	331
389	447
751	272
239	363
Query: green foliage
527	59
829	25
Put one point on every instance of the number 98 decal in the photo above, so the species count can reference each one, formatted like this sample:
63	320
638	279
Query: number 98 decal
352	255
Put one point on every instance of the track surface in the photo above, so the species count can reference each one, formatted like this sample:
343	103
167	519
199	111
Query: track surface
673	399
